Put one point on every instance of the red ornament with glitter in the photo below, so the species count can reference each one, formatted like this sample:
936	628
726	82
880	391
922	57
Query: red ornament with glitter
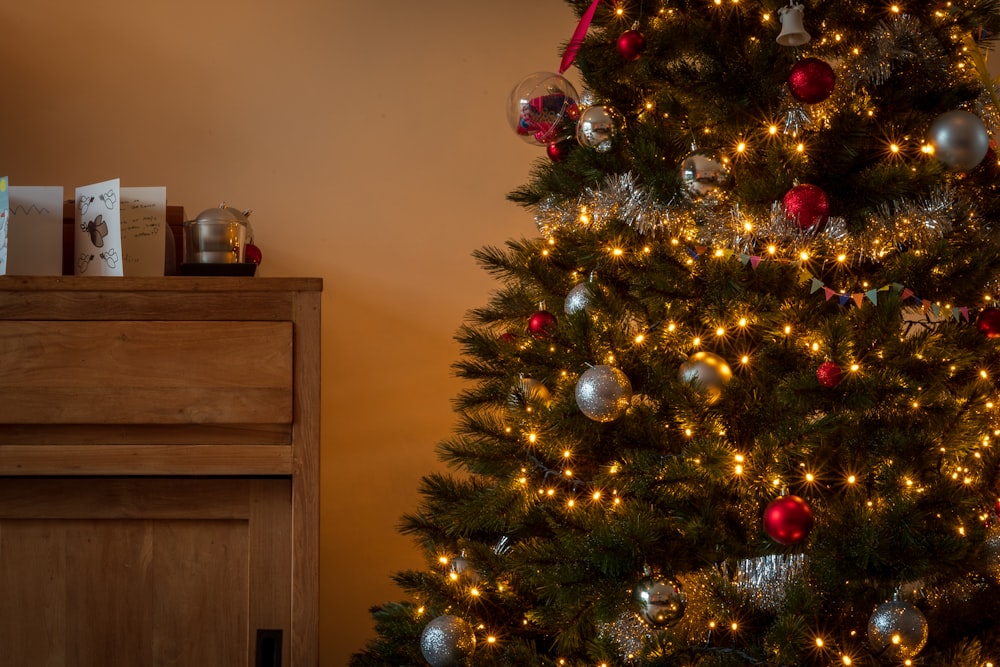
788	519
631	44
811	80
988	322
829	374
807	205
558	150
542	324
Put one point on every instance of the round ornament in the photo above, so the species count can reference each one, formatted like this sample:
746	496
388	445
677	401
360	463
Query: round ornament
631	44
829	374
529	393
659	600
252	254
960	140
898	630
542	324
542	108
447	641
706	372
603	393
788	519
558	150
705	174
988	322
597	128
807	205
811	80
578	299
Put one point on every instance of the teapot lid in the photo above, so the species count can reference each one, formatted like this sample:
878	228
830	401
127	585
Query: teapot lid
223	213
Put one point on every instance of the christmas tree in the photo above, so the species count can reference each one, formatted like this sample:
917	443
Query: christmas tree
736	403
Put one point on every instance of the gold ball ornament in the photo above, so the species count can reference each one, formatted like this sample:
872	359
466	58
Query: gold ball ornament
706	372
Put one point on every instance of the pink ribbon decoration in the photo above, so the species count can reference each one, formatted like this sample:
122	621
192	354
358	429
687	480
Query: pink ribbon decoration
576	41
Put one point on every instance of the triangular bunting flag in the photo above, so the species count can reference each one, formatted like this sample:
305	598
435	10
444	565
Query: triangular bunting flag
755	261
817	286
936	309
858	298
907	293
844	299
745	259
965	312
829	293
872	295
955	313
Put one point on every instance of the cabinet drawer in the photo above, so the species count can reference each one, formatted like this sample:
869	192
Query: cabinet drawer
149	372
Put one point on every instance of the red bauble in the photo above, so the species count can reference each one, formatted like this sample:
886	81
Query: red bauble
252	254
788	520
631	44
807	205
542	324
811	80
829	374
988	322
558	150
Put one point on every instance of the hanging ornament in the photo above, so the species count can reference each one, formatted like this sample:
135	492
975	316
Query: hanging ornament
542	324
659	600
807	205
631	44
578	299
897	630
811	80
461	569
597	128
829	374
542	108
447	641
706	372
252	254
705	175
988	322
917	320
558	150
788	519
960	140
792	31
529	394
603	393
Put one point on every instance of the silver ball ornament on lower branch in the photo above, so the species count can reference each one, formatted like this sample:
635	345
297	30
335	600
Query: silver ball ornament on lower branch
597	128
708	373
447	641
603	393
960	140
705	175
897	630
659	600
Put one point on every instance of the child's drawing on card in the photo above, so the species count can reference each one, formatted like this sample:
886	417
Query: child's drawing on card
4	220
98	229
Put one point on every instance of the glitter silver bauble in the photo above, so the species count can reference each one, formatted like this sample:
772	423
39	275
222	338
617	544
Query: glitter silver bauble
898	630
659	601
603	393
447	641
705	175
578	299
597	128
706	372
529	394
960	140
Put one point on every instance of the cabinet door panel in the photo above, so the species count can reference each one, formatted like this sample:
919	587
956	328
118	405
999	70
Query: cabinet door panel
148	586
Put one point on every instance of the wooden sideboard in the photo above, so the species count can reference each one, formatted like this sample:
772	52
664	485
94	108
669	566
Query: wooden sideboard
159	471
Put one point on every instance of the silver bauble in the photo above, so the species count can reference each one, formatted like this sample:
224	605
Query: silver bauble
897	628
603	393
705	176
960	140
597	128
447	641
528	394
706	372
578	299
659	600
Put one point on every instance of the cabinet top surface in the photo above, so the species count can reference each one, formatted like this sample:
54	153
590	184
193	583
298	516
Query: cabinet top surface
157	284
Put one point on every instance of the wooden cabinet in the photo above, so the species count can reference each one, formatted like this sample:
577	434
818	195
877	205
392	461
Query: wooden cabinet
159	471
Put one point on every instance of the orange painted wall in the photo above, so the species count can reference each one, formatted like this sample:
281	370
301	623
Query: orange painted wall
370	140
